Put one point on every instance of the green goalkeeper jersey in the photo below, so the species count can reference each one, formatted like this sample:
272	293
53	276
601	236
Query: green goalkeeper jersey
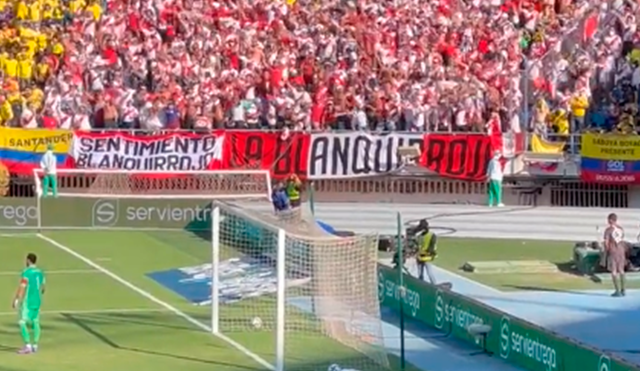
33	279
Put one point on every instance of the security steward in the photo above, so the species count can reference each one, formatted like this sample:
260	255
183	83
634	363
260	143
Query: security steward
427	251
294	186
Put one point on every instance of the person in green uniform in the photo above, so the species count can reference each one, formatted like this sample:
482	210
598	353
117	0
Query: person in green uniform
49	168
28	299
294	185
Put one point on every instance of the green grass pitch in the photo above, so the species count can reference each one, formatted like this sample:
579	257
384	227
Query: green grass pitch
93	320
454	252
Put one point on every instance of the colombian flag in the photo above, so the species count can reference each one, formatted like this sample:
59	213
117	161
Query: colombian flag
22	149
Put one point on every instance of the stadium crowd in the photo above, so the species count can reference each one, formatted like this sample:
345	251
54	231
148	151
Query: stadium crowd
452	65
595	85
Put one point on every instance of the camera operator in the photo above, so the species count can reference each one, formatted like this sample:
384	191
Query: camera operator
427	249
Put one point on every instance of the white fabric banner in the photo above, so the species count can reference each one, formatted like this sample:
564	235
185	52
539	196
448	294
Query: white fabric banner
171	152
357	154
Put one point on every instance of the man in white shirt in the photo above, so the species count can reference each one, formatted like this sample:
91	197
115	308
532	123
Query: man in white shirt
495	175
49	168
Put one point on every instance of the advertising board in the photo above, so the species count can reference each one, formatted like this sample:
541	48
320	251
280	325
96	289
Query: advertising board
105	213
148	214
512	339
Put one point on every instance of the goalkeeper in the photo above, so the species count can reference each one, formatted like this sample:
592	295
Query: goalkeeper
28	298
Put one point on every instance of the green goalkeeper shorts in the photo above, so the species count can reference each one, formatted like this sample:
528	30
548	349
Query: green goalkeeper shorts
29	314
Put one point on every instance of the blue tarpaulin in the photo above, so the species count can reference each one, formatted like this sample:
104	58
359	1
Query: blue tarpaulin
326	227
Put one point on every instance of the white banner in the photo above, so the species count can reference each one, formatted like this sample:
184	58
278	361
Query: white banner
171	152
351	155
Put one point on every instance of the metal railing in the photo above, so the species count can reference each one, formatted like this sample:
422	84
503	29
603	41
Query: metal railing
422	190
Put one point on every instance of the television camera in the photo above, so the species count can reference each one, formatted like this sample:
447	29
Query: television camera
411	242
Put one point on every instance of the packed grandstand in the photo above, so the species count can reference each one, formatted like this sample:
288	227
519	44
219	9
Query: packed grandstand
407	65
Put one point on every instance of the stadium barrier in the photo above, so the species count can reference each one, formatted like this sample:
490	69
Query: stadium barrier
519	342
415	189
343	166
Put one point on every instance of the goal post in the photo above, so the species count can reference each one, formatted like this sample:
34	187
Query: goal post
279	284
307	288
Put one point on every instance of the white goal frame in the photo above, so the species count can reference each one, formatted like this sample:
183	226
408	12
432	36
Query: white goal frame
219	193
280	285
215	235
37	173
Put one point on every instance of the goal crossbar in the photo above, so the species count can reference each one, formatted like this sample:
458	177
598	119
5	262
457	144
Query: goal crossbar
140	184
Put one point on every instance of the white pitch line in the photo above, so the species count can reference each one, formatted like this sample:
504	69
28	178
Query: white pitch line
18	235
161	303
95	311
56	271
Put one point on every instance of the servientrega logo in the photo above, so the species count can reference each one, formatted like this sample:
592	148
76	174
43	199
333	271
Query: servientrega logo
439	312
519	341
104	213
505	332
604	364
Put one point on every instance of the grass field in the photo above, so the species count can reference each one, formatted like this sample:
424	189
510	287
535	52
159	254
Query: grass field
454	252
102	313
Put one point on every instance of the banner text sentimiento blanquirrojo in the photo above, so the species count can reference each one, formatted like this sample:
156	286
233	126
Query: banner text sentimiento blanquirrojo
170	152
313	156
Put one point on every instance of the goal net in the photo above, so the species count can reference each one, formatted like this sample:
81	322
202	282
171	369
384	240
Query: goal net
280	286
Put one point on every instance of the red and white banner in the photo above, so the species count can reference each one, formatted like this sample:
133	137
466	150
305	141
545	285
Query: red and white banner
268	151
167	152
353	155
463	157
313	156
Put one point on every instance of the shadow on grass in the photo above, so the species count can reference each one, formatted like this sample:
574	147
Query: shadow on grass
152	320
546	289
81	323
571	269
8	349
568	268
302	361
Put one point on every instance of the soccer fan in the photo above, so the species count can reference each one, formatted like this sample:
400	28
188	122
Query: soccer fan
200	65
